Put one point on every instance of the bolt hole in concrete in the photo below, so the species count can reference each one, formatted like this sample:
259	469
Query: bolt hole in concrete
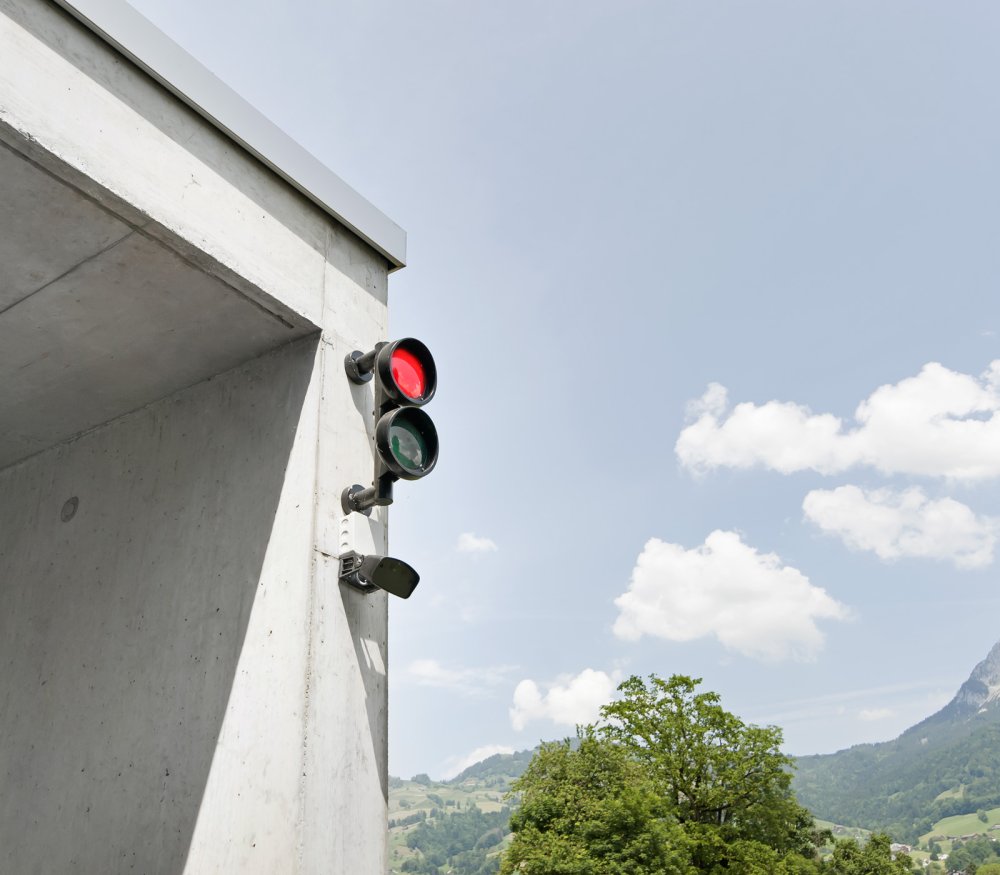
69	509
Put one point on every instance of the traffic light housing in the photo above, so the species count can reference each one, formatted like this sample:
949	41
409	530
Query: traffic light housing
406	442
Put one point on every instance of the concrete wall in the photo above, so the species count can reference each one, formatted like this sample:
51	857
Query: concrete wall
165	649
185	687
124	627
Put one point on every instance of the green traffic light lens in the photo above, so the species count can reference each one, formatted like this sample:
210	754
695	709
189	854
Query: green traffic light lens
408	445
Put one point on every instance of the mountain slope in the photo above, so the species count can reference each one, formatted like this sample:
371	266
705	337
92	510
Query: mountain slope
976	702
947	764
457	826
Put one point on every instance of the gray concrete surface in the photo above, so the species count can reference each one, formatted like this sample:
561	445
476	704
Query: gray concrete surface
185	686
125	626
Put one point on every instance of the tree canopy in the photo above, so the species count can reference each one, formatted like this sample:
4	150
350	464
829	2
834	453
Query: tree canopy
715	770
589	809
669	782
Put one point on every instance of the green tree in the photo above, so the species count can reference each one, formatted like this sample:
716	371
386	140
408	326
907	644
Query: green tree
720	775
968	856
592	811
872	858
670	782
459	842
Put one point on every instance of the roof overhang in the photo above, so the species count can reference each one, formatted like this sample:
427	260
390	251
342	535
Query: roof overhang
130	33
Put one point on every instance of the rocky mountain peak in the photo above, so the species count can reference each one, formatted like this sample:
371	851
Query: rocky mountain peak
981	690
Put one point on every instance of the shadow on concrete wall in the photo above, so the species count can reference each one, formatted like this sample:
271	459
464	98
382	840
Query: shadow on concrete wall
367	624
129	563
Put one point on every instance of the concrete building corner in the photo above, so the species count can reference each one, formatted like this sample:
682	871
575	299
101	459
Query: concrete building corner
186	686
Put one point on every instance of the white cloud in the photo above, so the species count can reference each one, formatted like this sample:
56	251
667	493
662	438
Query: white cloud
456	765
904	524
750	601
940	423
870	714
712	403
568	702
470	543
471	681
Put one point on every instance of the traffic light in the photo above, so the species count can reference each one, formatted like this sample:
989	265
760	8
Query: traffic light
406	442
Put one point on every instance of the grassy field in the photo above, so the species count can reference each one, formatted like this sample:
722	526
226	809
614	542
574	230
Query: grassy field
964	824
961	824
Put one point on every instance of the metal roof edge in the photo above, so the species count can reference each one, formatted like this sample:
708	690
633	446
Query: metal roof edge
136	37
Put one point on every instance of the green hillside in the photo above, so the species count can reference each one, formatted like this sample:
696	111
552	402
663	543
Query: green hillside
457	826
903	790
946	765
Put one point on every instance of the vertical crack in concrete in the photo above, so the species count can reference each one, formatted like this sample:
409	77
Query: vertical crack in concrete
317	572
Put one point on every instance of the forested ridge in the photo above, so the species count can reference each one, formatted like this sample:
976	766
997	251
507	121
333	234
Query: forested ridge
903	791
947	764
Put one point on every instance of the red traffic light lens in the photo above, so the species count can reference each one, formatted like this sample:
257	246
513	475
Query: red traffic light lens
406	372
409	373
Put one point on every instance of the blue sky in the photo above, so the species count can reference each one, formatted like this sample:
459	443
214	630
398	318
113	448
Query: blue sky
712	290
